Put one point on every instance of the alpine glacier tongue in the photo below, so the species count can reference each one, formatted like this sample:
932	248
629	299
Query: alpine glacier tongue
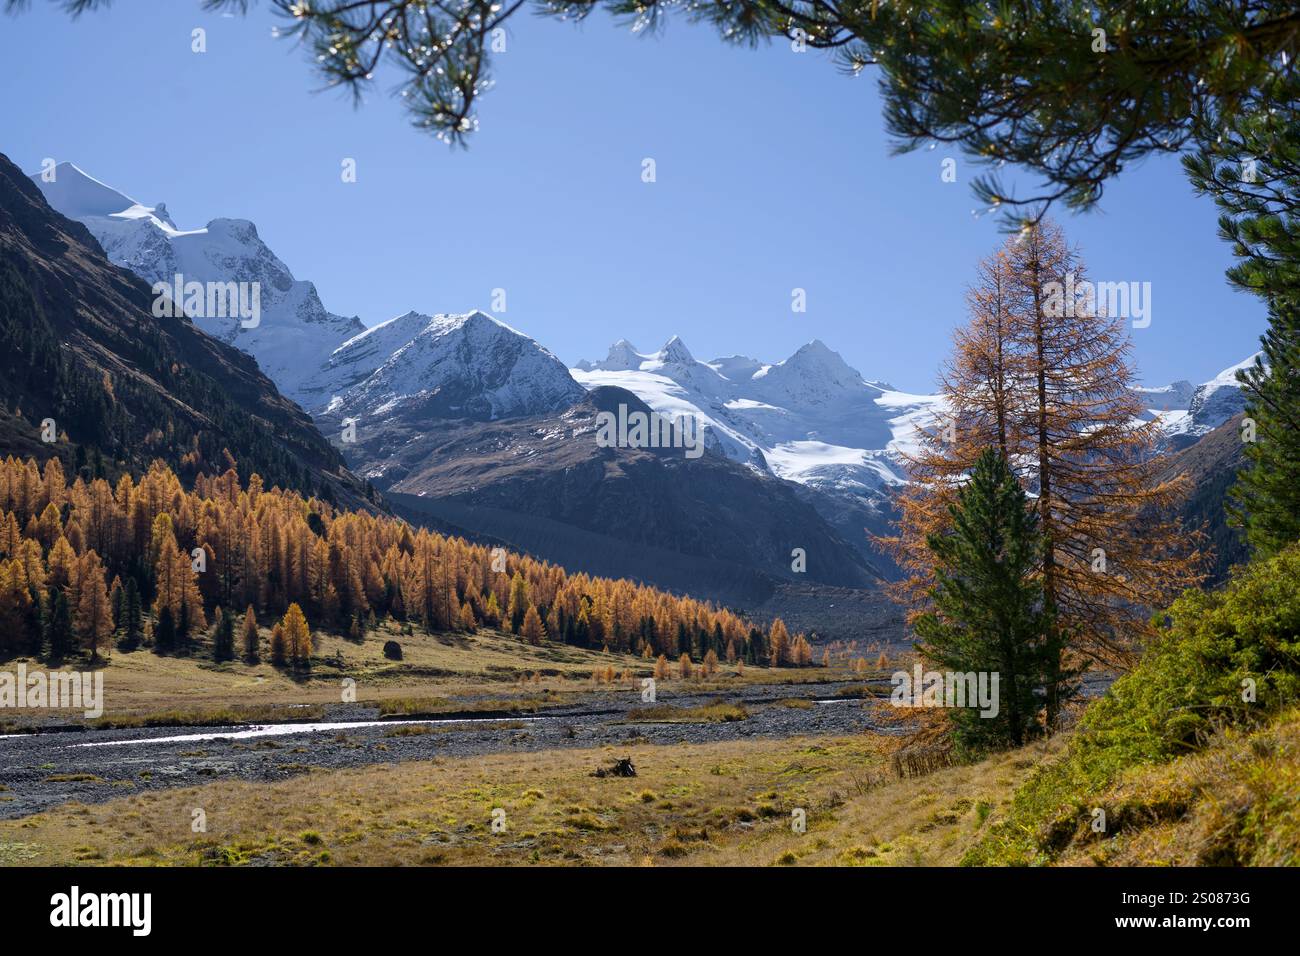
294	333
810	419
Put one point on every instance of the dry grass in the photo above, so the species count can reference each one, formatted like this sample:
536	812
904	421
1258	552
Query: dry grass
212	717
708	804
141	688
720	712
1237	803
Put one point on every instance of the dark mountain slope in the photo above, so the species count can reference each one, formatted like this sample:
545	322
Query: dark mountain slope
81	346
706	526
1212	464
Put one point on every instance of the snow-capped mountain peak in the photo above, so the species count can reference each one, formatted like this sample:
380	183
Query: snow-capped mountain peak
469	365
293	333
817	359
814	419
77	194
811	418
1189	411
736	368
464	365
813	376
1164	397
623	356
675	352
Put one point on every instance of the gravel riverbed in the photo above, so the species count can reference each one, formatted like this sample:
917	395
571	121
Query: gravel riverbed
43	770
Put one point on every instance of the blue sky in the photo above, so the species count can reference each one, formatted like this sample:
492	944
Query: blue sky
773	172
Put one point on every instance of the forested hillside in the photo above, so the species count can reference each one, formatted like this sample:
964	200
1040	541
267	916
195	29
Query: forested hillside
85	565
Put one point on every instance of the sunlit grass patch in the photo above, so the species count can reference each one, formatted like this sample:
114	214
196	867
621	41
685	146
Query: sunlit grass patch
720	712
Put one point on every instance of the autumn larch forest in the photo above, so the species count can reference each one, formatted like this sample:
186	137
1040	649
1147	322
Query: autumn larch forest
80	561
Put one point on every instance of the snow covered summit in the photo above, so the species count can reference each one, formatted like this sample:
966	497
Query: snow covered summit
811	418
1186	412
455	366
295	333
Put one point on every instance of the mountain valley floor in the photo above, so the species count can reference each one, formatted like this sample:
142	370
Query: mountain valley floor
482	750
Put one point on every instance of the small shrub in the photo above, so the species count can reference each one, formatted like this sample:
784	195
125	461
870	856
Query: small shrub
672	849
409	730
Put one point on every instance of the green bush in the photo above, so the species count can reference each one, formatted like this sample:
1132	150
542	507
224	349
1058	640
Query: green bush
1190	682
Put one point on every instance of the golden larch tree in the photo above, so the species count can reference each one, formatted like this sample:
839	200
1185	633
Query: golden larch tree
297	636
684	668
532	630
1045	377
661	668
778	640
94	612
249	637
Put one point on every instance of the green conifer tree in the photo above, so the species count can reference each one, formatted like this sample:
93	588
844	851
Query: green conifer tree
223	637
131	626
1252	171
988	614
57	625
1266	497
164	635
